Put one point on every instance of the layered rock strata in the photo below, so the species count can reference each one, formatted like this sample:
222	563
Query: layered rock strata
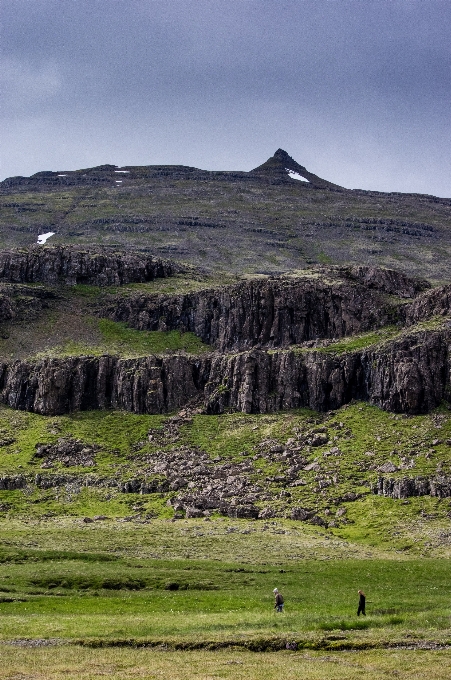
252	326
274	312
68	265
410	375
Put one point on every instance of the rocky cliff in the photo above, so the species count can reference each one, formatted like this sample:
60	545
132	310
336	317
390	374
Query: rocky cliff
328	303
69	265
409	374
272	340
435	302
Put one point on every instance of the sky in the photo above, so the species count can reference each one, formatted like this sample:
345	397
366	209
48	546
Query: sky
357	91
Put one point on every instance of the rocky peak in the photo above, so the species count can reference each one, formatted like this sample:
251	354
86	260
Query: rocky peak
283	168
287	161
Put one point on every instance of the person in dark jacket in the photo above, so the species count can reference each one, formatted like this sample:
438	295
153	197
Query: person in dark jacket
361	609
278	600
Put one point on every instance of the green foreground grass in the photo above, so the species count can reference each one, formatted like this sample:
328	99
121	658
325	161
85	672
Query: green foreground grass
75	663
100	585
140	578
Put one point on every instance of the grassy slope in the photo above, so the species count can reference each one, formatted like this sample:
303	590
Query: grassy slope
366	437
55	580
257	227
68	326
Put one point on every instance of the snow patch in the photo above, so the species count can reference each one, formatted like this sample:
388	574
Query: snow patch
124	172
42	238
61	175
296	175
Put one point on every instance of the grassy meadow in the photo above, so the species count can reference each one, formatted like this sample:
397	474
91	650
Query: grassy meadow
106	598
75	663
94	581
125	599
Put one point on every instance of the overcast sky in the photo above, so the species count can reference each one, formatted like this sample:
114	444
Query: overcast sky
358	91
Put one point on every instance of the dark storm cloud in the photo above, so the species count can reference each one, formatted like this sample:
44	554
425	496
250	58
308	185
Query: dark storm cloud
358	91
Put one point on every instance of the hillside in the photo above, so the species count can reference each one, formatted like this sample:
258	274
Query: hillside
268	405
113	324
92	332
276	218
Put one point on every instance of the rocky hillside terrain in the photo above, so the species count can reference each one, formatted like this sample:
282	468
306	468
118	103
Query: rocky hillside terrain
317	340
256	345
339	470
276	218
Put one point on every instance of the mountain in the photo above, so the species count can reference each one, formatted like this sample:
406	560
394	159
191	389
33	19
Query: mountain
188	299
278	217
281	167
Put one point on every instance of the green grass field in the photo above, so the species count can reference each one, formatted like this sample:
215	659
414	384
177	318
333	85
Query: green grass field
124	599
212	581
109	595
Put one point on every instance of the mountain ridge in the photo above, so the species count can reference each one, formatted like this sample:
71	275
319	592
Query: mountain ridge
275	218
276	169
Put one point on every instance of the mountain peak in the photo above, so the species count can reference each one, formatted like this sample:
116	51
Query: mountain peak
282	154
282	167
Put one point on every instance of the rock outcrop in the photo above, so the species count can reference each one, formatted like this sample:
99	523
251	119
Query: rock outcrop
109	176
69	265
406	487
408	375
145	385
273	312
435	302
67	452
23	302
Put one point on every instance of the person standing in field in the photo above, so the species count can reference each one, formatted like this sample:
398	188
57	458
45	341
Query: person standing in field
278	600
361	609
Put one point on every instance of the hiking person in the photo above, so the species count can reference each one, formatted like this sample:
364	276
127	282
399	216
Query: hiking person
278	600
361	609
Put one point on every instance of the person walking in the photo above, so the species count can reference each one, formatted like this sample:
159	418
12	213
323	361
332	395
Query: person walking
361	609
278	600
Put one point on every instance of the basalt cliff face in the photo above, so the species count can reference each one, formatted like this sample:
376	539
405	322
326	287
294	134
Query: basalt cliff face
275	342
328	303
410	375
70	266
